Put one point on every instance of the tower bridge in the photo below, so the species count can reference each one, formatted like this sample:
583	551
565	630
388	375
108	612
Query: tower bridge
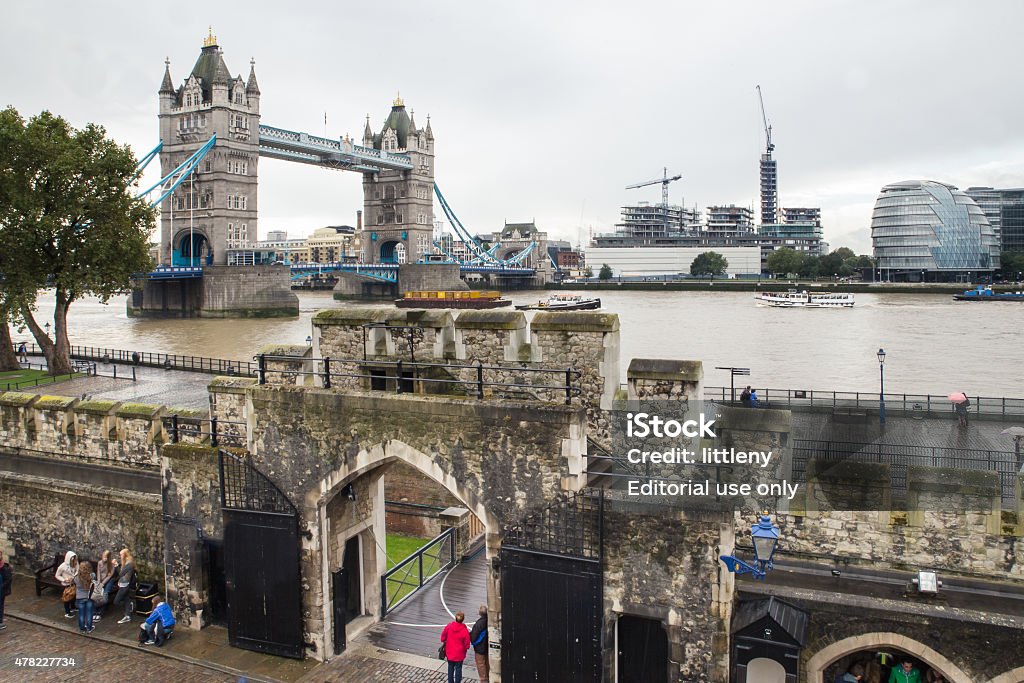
212	140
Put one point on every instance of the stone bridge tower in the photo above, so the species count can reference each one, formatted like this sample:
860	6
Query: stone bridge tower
219	202
398	206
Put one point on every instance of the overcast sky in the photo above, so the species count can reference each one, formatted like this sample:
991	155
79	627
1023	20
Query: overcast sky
547	110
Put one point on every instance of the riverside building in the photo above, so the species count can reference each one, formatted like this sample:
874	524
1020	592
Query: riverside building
926	230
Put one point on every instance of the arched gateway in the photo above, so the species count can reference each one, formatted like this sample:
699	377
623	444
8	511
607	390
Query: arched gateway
326	451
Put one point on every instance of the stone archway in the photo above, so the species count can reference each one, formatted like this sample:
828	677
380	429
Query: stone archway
830	653
191	248
363	470
1013	676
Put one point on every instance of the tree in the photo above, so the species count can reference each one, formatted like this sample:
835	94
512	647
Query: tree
605	273
784	261
69	219
1011	264
588	272
709	263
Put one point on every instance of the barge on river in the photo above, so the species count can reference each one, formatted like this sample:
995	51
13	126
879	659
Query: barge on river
453	299
986	294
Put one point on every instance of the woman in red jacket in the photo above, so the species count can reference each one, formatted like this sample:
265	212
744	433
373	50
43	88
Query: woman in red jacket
455	637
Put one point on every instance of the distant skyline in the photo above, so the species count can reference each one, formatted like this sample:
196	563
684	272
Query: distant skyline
547	111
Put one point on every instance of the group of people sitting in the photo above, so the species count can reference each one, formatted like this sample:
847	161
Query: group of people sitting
905	671
88	591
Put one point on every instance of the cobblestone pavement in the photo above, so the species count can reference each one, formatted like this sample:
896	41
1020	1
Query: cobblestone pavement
94	659
349	668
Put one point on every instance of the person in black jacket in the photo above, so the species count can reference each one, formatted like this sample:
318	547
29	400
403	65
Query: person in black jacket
5	587
478	639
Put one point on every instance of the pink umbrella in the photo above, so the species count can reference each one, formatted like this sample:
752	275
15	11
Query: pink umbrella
957	397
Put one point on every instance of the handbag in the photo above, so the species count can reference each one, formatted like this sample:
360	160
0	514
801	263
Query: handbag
99	596
69	593
440	653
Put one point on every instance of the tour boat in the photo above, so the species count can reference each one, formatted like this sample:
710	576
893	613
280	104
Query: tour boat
796	299
563	302
452	299
986	294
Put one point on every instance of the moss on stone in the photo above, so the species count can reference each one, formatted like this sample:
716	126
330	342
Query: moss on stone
230	385
422	317
575	321
488	319
297	350
17	398
138	410
185	451
189	413
96	406
350	316
676	370
55	402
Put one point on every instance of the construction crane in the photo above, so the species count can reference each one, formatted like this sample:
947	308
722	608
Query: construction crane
767	128
664	180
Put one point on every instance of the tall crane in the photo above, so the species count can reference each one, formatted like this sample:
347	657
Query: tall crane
770	146
664	180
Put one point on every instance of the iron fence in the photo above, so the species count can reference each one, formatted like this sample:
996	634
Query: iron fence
403	580
864	400
901	456
219	432
215	366
405	375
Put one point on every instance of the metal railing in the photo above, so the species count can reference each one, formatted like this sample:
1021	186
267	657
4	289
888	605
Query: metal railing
407	577
219	432
216	366
901	456
866	400
406	375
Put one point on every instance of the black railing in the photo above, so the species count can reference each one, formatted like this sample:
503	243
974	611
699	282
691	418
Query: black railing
866	400
403	580
405	375
215	366
219	432
901	456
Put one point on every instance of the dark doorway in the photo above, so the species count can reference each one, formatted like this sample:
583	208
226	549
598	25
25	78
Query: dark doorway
354	593
261	561
215	575
642	650
339	587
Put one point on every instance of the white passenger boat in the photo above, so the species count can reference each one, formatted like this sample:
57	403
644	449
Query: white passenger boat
803	299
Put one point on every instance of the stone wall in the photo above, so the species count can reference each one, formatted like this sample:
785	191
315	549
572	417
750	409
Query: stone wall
405	484
222	292
430	277
499	460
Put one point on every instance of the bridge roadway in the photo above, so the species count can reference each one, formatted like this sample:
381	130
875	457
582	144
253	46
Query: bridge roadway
386	272
415	626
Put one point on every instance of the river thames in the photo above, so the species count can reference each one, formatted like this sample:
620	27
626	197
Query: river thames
933	344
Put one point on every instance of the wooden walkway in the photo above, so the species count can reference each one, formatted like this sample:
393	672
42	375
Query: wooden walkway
415	626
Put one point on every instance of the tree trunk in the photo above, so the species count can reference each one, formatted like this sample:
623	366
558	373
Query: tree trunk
61	364
42	340
8	356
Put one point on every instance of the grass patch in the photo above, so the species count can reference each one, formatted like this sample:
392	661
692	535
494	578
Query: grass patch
407	579
15	379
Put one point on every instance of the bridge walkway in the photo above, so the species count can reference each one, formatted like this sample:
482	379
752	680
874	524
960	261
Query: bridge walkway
415	626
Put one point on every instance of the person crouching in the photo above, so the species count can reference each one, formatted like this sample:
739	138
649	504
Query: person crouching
159	626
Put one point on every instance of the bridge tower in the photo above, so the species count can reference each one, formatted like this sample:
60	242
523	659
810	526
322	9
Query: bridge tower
398	205
214	210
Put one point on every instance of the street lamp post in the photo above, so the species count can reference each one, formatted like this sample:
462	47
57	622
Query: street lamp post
765	536
46	329
881	386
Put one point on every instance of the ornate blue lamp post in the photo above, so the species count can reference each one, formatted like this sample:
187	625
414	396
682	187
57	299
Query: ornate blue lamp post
766	538
881	386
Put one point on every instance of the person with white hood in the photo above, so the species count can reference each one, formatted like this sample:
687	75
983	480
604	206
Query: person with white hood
66	573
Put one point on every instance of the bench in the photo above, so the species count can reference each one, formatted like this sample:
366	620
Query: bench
45	576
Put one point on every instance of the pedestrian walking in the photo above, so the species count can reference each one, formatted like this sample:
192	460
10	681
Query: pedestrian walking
66	575
125	586
478	639
905	673
961	411
84	582
23	352
745	396
455	638
6	576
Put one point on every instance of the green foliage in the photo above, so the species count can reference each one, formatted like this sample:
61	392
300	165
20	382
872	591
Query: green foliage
784	261
1011	263
709	263
588	272
606	272
69	219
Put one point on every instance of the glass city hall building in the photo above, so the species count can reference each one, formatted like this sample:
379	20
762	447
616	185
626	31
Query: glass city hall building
926	230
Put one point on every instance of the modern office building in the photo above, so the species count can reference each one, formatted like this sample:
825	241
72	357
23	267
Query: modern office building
922	229
728	223
1005	212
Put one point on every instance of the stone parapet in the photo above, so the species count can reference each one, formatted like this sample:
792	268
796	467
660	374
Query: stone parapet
424	335
650	379
288	364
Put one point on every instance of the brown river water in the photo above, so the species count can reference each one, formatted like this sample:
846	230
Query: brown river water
933	344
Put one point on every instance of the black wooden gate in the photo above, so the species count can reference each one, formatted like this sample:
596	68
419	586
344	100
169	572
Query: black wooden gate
551	602
261	561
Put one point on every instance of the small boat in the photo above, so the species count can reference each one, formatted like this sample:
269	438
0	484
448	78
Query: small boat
453	299
563	302
803	299
986	294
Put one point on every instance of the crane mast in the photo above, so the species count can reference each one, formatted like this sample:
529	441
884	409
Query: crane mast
767	128
664	180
